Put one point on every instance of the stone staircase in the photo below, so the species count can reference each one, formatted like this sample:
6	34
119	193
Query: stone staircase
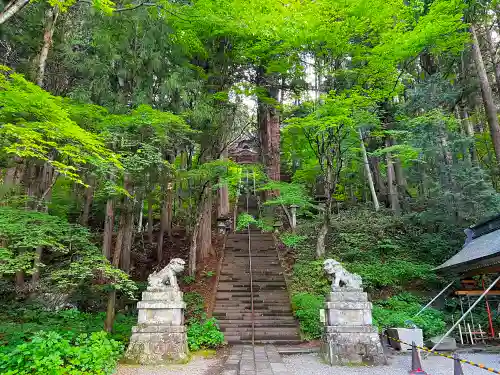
273	319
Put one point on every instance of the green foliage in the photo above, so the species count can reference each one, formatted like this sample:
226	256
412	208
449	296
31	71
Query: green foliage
289	194
265	224
20	321
195	307
53	353
75	259
306	309
400	311
36	341
309	277
244	220
208	274
390	238
34	125
392	274
291	240
204	335
188	280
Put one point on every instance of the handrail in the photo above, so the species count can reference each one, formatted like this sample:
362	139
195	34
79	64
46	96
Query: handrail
250	269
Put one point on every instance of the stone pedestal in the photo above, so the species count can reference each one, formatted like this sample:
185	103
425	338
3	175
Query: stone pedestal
160	335
349	336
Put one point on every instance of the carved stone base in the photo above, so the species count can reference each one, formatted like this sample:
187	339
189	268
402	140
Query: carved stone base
157	344
160	335
352	345
349	336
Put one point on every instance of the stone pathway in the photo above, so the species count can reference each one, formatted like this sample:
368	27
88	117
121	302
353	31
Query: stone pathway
257	360
199	365
311	364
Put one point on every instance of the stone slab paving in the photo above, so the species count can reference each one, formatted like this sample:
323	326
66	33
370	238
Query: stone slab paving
199	365
254	360
312	364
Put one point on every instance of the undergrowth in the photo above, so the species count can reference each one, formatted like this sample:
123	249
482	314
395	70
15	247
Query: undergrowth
393	255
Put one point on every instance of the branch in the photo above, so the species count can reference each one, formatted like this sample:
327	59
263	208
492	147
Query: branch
227	144
132	7
47	191
138	5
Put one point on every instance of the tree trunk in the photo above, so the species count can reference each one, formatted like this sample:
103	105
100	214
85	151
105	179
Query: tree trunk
48	180
141	217
205	226
469	131
369	173
269	129
89	195
288	217
108	229
110	311
329	189
127	241
150	220
35	277
50	23
193	248
11	9
223	195
20	280
161	235
488	102
320	244
119	239
169	218
391	182
493	58
379	182
166	221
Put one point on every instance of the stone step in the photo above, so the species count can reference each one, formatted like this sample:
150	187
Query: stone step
257	316
258	295
238	314
272	299
284	306
258	324
256	302
277	342
263	332
262	320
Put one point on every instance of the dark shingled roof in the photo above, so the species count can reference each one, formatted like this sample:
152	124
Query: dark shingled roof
481	249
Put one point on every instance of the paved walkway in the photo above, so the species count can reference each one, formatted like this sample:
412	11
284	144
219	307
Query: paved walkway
311	364
257	360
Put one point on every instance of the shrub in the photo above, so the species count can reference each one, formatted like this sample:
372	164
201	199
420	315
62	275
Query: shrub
395	273
204	335
19	323
188	280
50	353
195	309
306	309
400	311
310	277
292	240
244	220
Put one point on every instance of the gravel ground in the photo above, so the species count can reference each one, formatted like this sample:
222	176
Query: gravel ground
197	366
311	364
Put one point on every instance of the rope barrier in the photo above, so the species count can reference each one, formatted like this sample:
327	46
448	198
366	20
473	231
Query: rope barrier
423	348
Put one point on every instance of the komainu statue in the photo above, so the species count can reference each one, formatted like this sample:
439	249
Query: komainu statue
340	276
167	275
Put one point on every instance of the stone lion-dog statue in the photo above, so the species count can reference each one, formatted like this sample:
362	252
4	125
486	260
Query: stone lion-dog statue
340	276
167	276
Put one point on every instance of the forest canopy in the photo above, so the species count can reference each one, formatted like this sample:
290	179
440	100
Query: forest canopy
375	122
